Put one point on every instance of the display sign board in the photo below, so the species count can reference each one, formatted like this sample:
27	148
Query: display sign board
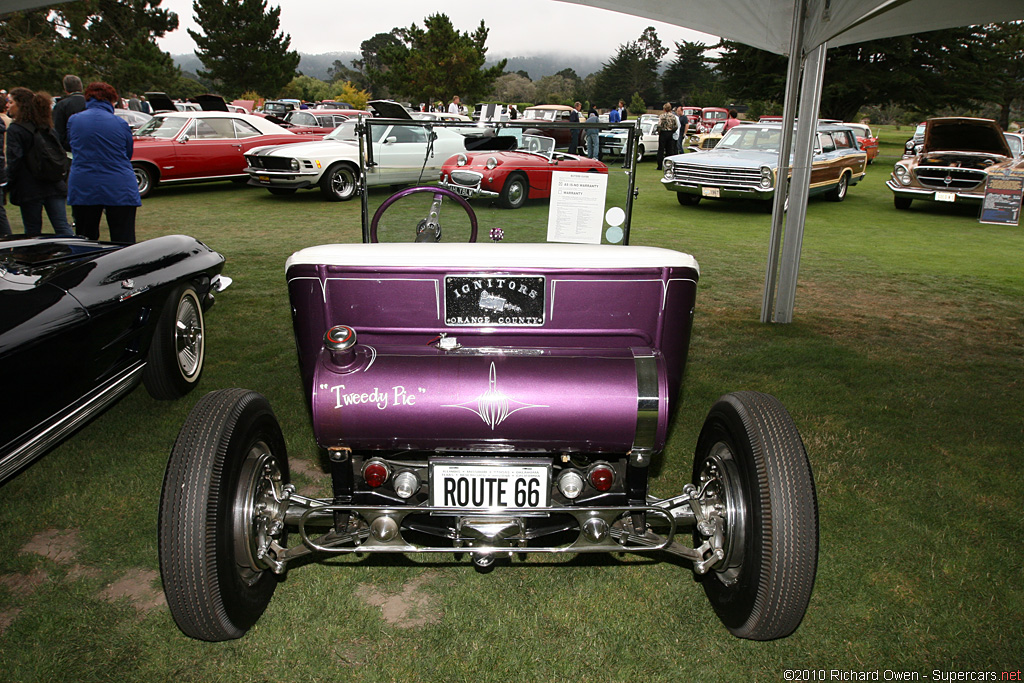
1003	193
576	213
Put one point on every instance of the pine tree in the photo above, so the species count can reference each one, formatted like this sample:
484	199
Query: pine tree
436	62
686	73
107	40
634	68
241	47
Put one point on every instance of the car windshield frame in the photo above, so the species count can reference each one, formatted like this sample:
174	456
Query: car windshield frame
540	114
346	132
163	126
1015	144
540	145
751	138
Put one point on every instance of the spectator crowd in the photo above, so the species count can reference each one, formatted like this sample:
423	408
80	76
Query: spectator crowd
37	175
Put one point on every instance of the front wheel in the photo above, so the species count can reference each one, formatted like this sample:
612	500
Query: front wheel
177	353
687	199
515	192
639	153
756	484
339	183
145	178
901	203
221	515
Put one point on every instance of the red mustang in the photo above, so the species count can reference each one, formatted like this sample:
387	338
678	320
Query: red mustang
514	175
192	146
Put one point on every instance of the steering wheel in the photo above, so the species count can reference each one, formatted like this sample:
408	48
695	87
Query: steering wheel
429	228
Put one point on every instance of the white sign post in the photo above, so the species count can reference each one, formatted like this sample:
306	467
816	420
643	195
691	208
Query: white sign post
576	212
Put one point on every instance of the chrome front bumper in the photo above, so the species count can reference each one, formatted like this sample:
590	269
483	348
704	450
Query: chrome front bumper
929	195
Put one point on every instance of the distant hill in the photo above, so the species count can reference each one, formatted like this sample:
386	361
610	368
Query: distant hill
537	66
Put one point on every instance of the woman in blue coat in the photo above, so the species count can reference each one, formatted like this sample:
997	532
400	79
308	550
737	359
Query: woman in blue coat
101	177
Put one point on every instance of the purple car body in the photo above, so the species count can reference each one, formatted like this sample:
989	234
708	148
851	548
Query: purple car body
576	388
488	400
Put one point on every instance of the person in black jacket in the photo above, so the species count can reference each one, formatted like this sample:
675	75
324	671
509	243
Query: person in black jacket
5	226
31	112
574	136
69	105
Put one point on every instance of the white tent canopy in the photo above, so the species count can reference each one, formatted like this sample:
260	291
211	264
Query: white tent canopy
803	29
767	24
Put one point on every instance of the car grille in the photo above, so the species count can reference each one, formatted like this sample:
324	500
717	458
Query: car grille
270	163
949	178
467	178
709	143
730	178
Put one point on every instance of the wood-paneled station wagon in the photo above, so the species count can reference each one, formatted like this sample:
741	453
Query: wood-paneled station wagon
487	400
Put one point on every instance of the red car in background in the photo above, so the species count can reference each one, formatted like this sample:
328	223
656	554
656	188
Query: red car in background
867	140
513	175
693	116
543	114
192	146
321	121
709	116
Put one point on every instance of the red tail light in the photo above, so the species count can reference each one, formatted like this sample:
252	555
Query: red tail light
601	477
375	473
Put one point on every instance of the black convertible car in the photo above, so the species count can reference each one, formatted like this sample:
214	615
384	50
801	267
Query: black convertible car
82	322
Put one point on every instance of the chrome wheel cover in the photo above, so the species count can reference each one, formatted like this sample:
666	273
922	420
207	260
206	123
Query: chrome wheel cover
723	496
189	342
142	178
342	183
516	190
257	512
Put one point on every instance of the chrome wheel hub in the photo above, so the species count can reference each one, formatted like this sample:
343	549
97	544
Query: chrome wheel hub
723	501
188	336
259	512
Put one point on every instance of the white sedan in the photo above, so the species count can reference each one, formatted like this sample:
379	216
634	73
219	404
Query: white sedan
613	142
400	152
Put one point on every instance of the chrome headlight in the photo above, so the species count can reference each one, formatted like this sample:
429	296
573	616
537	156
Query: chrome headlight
491	163
766	178
902	174
462	160
667	164
294	163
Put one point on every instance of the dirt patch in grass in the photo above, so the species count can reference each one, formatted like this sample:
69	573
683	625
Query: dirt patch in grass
22	585
137	586
352	654
54	544
306	468
409	608
7	618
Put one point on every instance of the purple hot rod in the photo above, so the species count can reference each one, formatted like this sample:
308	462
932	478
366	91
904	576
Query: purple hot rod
488	400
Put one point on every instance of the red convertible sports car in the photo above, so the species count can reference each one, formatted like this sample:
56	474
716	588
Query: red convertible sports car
514	175
193	146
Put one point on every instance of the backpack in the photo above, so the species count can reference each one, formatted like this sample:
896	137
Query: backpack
46	159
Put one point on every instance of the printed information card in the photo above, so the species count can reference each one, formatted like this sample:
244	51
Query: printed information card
576	213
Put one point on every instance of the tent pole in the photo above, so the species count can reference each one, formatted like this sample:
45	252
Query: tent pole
806	132
785	145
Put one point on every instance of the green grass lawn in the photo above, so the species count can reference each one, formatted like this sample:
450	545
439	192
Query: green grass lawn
903	370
